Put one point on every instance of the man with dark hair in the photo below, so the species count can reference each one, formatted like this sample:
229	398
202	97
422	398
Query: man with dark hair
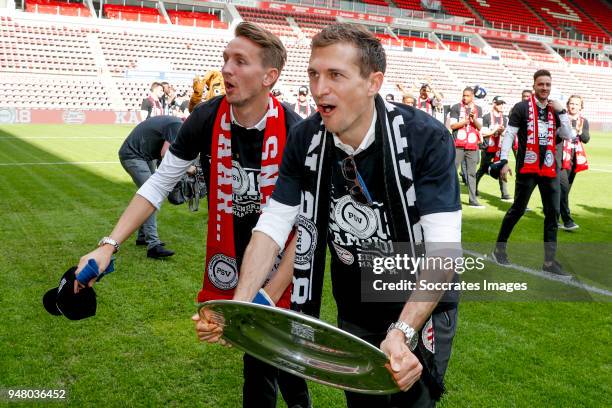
168	98
493	126
540	124
364	171
147	143
302	106
465	122
573	158
240	139
151	105
428	99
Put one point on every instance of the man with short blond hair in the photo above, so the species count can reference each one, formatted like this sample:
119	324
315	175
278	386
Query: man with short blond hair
239	139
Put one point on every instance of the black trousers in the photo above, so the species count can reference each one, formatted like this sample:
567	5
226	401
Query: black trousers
486	159
566	178
550	194
260	386
418	396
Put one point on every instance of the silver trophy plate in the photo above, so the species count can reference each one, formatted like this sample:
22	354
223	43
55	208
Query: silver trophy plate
304	346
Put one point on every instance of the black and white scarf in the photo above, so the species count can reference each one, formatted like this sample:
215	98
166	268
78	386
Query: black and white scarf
313	219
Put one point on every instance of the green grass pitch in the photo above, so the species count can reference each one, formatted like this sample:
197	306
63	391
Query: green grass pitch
62	188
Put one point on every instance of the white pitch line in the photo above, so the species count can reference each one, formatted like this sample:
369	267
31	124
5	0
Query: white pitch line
601	170
545	275
58	163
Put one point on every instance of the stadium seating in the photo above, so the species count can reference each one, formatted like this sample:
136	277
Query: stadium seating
57	7
60	53
195	19
53	92
599	10
133	13
561	14
45	48
457	8
275	21
462	47
409	4
511	15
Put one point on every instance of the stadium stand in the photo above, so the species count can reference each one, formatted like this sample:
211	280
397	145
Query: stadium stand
512	15
599	11
99	64
57	7
458	8
563	16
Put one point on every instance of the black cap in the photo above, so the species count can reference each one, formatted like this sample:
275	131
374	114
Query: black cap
63	301
276	92
498	100
495	168
303	90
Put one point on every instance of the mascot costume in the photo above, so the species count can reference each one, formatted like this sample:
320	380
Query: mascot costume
211	83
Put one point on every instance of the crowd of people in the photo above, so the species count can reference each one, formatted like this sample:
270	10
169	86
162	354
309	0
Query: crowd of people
288	181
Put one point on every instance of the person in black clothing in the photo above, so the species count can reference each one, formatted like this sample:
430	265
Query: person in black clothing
364	171
573	158
493	126
540	124
151	105
302	106
239	138
147	143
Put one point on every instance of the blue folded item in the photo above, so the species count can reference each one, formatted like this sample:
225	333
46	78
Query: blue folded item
262	298
91	270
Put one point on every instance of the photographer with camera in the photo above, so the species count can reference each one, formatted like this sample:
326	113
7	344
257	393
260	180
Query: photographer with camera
493	125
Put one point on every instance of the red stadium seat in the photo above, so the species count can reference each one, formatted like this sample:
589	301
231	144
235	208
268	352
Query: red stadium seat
509	15
562	15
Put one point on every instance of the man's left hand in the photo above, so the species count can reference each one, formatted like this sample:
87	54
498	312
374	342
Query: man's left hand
403	364
556	105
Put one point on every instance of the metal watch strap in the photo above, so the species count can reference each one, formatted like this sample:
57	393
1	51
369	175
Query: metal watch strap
409	332
109	241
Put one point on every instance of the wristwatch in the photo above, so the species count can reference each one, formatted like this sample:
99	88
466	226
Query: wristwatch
109	241
412	337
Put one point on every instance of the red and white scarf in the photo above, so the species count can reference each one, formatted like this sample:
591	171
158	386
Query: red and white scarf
424	105
494	144
581	160
531	162
468	136
221	272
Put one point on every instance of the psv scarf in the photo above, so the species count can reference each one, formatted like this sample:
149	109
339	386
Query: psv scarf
495	141
531	162
425	106
221	270
299	112
157	109
568	149
467	136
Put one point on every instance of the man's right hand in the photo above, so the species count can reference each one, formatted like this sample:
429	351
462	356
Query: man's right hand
505	172
102	256
206	328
